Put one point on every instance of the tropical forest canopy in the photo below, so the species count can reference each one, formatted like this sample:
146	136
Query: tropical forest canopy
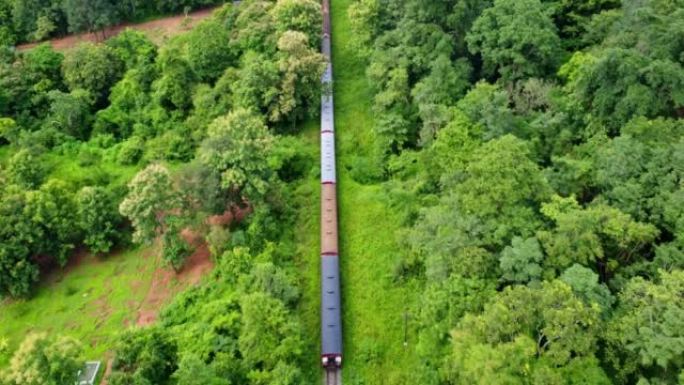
107	146
533	149
536	151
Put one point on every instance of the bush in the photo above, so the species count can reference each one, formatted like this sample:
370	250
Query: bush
176	249
25	169
131	151
88	156
365	170
218	239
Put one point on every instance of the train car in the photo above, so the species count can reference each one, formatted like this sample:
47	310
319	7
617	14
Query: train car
331	312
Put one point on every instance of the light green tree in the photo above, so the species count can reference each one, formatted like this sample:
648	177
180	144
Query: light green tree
45	360
521	261
151	194
237	147
647	331
301	68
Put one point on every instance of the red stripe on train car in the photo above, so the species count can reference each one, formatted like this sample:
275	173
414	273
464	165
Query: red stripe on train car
327	182
327	132
329	254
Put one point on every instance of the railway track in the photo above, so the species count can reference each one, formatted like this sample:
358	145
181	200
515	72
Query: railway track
333	377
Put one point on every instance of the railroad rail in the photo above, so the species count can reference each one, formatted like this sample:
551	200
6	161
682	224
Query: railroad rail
331	312
333	377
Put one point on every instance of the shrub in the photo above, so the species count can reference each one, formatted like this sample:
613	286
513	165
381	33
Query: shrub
131	150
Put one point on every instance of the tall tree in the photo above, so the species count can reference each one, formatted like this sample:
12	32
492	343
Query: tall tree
238	147
541	335
44	360
94	68
299	15
89	15
151	195
646	335
98	218
301	68
516	39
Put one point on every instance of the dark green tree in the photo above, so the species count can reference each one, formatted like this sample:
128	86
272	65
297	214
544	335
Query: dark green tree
89	15
94	68
516	39
98	218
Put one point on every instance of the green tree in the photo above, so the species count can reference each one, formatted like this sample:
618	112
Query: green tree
9	131
94	68
436	92
25	169
192	371
269	337
256	84
208	50
254	27
586	285
151	194
573	18
175	248
144	356
133	48
52	211
45	360
487	105
521	261
541	334
516	39
173	89
70	113
98	218
503	187
598	235
237	147
299	15
17	272
301	68
129	100
89	15
645	335
619	84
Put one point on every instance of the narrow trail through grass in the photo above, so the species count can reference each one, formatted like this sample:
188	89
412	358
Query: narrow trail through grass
373	305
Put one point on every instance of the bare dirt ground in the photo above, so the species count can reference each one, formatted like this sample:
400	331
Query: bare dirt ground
166	283
157	30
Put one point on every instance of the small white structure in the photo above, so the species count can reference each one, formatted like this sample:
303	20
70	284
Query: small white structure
87	375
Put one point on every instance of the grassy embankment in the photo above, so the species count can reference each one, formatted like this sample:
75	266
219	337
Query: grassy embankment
91	302
373	306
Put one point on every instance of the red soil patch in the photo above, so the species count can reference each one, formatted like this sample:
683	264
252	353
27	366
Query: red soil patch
166	283
158	30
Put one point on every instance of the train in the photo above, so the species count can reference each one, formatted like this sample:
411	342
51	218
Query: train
331	305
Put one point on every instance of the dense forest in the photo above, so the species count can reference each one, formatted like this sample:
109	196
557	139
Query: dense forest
535	150
110	145
35	20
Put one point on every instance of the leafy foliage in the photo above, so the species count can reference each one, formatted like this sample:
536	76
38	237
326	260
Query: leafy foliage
151	194
44	360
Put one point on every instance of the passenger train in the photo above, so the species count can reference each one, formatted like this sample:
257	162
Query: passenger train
331	319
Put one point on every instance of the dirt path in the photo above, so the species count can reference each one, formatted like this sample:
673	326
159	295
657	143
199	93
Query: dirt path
157	30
